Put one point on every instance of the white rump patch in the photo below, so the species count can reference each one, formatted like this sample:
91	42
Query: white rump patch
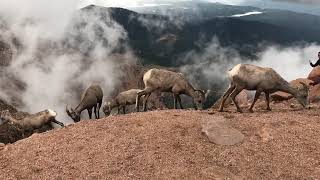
234	70
52	113
147	75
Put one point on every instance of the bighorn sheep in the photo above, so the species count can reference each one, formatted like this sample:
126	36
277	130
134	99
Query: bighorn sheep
251	77
33	121
168	81
121	101
91	98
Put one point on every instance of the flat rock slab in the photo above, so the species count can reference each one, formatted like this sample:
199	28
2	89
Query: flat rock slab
220	132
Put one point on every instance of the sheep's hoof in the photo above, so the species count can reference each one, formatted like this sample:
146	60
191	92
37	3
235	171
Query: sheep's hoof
268	109
250	110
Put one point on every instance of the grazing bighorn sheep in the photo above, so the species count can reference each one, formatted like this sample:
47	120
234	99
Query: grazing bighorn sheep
168	81
251	77
91	98
33	121
121	101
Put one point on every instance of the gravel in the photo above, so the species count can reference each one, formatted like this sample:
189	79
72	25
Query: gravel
168	144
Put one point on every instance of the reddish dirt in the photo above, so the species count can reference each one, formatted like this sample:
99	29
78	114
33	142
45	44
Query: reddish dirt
168	144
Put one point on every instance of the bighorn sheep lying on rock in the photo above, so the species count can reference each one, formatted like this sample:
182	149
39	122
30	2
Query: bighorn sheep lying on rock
121	101
168	81
91	98
33	121
251	77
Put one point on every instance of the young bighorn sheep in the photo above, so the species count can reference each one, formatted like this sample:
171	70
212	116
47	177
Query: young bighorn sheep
251	77
121	101
33	121
91	98
168	81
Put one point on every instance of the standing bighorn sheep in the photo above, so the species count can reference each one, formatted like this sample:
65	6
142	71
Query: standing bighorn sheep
168	81
91	98
33	121
121	101
251	77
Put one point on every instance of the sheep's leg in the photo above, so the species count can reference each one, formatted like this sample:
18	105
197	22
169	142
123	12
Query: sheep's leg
95	111
90	113
175	101
233	98
57	122
256	97
137	102
225	96
179	100
141	93
268	100
99	106
119	109
124	109
145	102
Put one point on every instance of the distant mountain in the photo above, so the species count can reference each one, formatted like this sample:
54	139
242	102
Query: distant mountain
202	11
191	11
161	40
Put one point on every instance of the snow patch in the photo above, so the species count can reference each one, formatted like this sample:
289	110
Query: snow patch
149	5
247	14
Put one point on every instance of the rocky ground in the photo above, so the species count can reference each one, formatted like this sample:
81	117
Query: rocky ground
282	144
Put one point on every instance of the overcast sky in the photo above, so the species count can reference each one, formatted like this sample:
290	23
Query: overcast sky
307	6
126	3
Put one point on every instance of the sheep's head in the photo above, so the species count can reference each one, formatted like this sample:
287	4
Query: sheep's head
4	113
107	108
3	116
199	99
302	95
47	115
74	115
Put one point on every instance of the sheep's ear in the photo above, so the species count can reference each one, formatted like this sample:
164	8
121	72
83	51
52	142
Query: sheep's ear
68	111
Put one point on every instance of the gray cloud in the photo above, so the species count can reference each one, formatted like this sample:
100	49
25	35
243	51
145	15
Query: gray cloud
53	73
300	1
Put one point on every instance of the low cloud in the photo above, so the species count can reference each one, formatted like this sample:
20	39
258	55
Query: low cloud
208	68
58	53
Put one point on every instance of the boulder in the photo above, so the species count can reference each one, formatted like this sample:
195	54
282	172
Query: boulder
314	94
220	132
314	75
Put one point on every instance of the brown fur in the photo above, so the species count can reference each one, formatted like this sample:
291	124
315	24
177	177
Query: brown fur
91	98
33	121
167	81
121	101
251	77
